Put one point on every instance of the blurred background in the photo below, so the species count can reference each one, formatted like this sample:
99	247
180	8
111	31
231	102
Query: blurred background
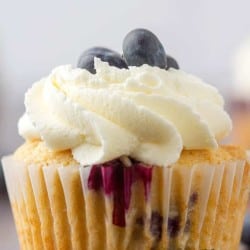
208	38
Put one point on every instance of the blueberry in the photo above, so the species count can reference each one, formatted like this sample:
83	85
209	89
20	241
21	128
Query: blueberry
187	225
96	51
172	63
193	199
141	46
86	60
245	237
174	226
156	225
139	221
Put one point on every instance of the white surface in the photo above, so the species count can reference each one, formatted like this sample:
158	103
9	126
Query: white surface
36	36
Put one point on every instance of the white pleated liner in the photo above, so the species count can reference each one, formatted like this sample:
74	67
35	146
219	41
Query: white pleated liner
73	217
75	202
43	206
231	214
15	196
23	204
210	215
188	212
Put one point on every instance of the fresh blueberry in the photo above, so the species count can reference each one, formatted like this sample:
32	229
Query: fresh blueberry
86	60
97	50
141	46
172	63
245	237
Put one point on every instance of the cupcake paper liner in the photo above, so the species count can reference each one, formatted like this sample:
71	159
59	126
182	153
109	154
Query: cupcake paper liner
94	208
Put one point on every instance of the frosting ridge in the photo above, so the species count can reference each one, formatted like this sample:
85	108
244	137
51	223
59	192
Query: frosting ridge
145	112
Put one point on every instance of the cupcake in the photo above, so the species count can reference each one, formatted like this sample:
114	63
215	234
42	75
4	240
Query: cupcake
124	153
240	103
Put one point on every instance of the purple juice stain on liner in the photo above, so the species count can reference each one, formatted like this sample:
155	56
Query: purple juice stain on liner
95	178
109	171
116	179
144	173
118	196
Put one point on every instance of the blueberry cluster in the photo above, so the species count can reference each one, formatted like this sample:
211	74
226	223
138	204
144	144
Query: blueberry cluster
140	46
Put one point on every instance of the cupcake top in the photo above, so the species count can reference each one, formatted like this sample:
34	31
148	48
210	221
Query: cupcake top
36	152
124	107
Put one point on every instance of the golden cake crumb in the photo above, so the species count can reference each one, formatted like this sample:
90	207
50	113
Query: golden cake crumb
235	152
36	152
210	156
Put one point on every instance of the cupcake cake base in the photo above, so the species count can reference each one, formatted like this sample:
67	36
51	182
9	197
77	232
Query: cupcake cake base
196	203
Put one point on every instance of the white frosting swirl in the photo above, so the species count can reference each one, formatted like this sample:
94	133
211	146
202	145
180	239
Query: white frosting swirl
145	112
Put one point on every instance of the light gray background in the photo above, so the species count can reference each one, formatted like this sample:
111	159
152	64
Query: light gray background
35	36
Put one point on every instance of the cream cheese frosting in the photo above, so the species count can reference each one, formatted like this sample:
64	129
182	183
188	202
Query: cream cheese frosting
144	112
